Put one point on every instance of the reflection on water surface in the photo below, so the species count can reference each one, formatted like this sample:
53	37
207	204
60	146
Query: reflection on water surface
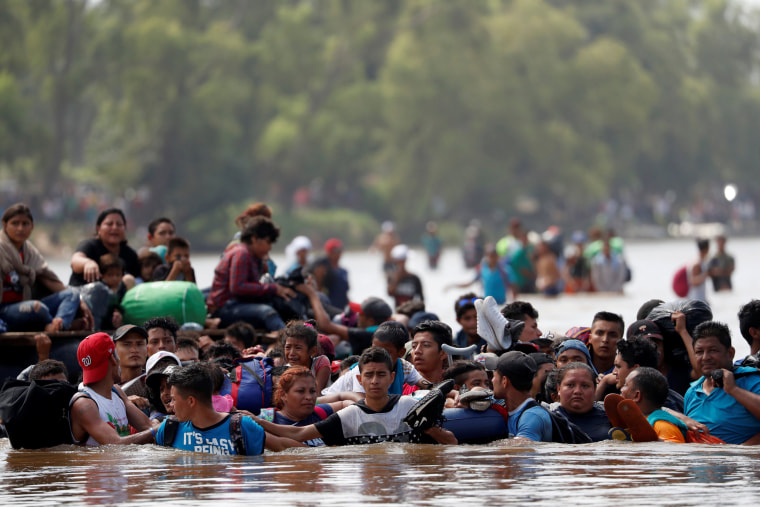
600	474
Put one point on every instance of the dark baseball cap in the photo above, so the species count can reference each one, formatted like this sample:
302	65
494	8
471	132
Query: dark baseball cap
514	365
129	328
644	329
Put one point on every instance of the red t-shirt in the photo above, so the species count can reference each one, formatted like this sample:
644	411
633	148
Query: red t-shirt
12	291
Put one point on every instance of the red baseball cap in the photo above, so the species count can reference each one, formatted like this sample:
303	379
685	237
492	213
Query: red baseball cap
332	244
93	354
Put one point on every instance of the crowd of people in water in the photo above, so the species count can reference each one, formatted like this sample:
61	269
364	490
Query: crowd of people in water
300	364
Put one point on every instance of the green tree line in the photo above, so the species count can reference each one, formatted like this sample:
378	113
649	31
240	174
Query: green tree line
408	110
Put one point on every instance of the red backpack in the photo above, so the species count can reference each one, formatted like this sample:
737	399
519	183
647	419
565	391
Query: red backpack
681	282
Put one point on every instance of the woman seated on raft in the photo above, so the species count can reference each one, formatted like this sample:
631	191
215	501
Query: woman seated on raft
295	401
576	385
21	267
110	237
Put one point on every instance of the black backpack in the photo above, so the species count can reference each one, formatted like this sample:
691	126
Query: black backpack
36	414
563	430
171	425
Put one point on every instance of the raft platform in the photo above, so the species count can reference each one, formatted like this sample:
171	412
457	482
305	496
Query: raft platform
17	349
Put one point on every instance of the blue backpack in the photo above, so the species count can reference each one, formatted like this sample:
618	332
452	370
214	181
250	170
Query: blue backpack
252	384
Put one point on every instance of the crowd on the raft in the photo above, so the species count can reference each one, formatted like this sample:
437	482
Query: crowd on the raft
328	371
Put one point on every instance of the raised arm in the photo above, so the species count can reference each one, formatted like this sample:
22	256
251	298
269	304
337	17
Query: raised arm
324	323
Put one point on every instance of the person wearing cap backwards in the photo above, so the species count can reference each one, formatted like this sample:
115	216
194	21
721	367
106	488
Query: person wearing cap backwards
332	279
403	286
101	413
371	313
160	365
513	374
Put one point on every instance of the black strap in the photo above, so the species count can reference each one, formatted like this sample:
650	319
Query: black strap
171	425
252	372
236	433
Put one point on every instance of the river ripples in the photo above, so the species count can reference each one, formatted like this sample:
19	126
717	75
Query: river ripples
502	472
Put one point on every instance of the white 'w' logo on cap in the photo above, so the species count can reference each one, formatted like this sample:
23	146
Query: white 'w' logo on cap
86	361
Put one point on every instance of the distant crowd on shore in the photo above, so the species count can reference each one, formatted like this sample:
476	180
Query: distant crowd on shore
301	364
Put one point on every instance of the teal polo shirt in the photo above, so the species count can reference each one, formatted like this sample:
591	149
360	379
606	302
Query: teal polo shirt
726	418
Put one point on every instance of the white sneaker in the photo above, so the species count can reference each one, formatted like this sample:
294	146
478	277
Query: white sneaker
498	323
485	330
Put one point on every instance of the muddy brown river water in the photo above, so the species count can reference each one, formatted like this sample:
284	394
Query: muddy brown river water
500	473
505	472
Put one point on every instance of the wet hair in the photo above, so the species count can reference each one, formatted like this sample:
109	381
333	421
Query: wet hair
749	316
167	323
259	228
47	368
258	209
348	362
110	211
16	210
177	242
194	380
392	332
298	330
460	370
243	332
575	366
652	384
647	307
153	225
277	371
465	303
551	386
410	308
440	331
517	310
276	353
375	355
637	350
287	379
223	350
610	317
110	261
217	376
185	342
716	329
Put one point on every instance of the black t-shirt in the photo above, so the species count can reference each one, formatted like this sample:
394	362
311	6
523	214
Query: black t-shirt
358	424
408	288
359	339
162	271
94	249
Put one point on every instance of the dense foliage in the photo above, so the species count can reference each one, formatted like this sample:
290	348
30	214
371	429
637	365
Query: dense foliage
411	109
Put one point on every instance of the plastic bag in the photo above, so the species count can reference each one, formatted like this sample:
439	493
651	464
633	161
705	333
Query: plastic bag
696	313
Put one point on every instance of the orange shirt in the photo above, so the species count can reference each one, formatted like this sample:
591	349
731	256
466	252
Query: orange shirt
669	432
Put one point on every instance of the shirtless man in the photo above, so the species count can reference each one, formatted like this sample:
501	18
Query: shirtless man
385	241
